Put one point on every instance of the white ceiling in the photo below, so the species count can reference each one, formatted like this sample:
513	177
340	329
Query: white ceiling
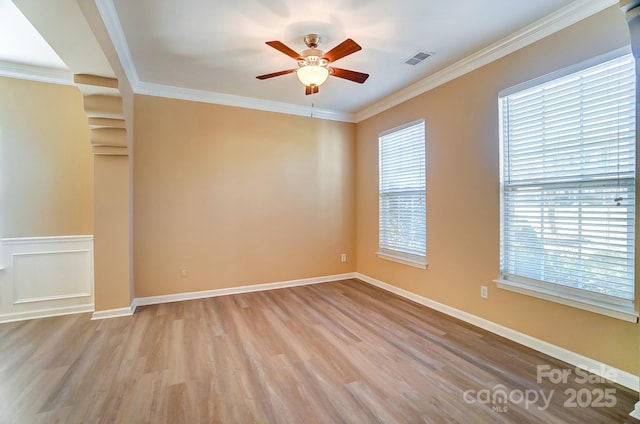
21	43
217	47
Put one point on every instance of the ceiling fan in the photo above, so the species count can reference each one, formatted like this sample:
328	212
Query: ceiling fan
313	66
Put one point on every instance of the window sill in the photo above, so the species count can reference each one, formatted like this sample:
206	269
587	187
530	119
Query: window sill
614	311
422	264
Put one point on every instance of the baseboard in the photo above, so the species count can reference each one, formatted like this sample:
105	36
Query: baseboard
45	313
636	412
624	378
113	313
154	300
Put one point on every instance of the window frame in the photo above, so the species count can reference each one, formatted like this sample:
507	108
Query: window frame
579	298
403	257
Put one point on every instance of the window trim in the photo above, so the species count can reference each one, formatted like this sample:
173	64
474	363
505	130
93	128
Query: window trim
404	258
576	67
622	309
414	260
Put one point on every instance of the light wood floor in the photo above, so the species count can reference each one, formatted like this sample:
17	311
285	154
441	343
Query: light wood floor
327	353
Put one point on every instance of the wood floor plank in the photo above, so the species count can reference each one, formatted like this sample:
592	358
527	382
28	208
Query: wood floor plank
340	352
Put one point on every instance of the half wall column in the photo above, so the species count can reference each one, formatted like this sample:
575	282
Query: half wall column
631	8
111	178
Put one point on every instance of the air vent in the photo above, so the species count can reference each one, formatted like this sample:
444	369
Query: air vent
417	58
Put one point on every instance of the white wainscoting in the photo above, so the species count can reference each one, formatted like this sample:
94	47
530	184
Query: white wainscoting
45	276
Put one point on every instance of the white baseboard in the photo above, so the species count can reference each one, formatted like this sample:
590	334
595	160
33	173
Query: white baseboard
113	313
636	412
624	378
154	300
45	313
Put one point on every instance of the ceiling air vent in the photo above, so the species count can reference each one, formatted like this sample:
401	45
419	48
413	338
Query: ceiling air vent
417	58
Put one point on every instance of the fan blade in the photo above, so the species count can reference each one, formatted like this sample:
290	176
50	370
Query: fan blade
311	89
354	76
284	49
343	49
275	74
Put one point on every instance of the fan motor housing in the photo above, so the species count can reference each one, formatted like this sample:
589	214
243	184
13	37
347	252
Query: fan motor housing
312	57
309	53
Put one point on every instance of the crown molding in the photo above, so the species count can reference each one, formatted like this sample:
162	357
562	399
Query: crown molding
238	101
112	23
36	73
109	16
560	19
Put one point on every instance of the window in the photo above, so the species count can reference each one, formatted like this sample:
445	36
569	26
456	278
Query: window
402	191
568	187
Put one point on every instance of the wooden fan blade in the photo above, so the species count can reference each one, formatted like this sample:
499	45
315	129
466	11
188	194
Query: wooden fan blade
343	49
275	74
354	76
311	89
284	49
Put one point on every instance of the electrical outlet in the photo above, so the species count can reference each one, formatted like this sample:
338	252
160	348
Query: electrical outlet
484	292
183	272
343	257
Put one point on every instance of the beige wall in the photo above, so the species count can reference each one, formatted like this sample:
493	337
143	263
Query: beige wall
243	197
46	165
112	232
463	209
238	196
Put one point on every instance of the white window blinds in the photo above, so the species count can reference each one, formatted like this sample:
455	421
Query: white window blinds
402	191
568	181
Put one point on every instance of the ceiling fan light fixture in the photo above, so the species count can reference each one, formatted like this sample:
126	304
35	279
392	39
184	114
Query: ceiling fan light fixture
312	74
313	65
